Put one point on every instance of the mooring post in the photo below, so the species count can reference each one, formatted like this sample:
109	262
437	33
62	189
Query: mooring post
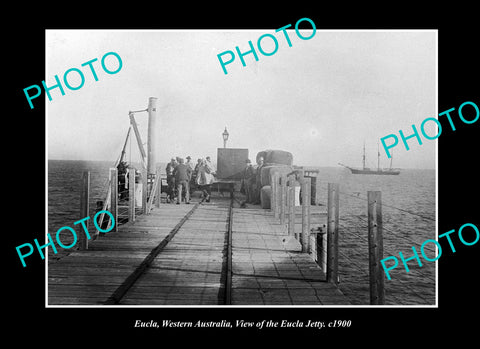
291	205
375	247
305	234
283	198
114	196
84	208
131	194
332	232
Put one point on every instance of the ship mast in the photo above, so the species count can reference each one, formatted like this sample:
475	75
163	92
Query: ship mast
364	155
378	157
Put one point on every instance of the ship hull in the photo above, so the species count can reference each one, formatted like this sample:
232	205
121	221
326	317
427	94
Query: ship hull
373	172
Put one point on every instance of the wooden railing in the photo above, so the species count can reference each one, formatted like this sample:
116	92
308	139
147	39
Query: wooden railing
322	242
112	203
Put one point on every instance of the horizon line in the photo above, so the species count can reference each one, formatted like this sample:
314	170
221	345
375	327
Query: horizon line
324	166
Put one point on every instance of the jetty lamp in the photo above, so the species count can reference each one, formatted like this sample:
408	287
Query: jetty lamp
225	137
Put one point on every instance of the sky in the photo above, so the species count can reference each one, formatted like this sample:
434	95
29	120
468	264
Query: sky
321	99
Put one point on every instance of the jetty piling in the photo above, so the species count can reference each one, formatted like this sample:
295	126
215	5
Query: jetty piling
318	247
332	232
375	248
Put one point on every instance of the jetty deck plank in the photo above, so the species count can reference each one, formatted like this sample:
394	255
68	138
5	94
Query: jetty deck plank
266	272
85	277
189	270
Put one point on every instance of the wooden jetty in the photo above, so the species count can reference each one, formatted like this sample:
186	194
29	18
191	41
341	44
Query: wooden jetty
216	253
266	271
190	269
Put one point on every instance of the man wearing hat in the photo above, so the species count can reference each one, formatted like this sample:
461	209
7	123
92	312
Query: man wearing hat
249	181
182	175
190	165
171	179
258	184
191	168
211	168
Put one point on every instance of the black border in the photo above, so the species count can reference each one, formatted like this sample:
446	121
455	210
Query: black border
458	188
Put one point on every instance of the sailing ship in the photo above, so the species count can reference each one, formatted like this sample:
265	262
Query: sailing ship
379	171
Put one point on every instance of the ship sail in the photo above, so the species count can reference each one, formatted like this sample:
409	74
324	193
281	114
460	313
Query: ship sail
367	171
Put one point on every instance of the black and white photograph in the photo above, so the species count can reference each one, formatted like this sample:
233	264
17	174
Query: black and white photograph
261	182
222	174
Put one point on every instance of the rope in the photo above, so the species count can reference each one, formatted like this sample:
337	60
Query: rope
412	213
422	271
390	206
364	239
397	235
386	205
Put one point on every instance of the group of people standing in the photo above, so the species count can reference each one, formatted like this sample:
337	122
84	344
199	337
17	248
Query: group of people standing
252	181
181	177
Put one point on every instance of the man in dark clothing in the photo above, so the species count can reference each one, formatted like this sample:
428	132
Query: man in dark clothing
258	184
189	164
249	181
171	180
182	174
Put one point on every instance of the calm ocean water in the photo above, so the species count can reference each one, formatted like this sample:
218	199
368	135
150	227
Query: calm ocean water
408	216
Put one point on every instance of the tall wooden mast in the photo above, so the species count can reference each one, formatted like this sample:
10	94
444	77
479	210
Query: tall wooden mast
151	141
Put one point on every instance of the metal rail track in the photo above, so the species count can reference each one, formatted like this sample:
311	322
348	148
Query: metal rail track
226	279
225	292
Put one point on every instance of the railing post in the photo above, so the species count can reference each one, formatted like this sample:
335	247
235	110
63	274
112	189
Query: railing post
84	208
291	206
274	202
313	191
305	234
278	189
131	194
114	196
332	232
273	195
283	198
279	194
323	251
159	188
144	181
375	248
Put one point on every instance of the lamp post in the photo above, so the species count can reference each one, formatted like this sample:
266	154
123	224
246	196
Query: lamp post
225	137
